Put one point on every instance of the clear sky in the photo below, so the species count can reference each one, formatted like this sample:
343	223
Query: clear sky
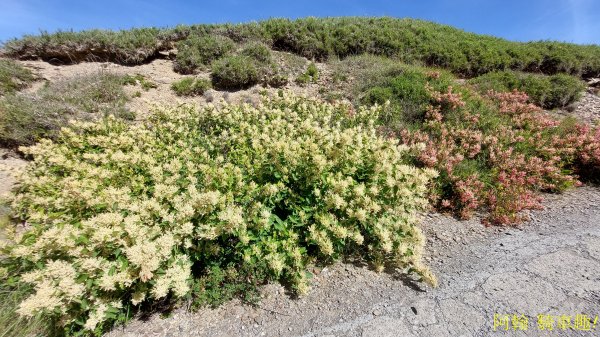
564	20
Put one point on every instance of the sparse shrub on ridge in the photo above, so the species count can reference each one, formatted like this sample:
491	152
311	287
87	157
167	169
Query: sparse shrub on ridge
413	41
133	46
254	64
198	52
133	214
190	86
549	92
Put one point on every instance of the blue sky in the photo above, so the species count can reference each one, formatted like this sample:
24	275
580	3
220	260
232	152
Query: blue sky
523	20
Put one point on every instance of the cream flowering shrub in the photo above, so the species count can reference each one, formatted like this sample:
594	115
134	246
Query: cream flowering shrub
124	214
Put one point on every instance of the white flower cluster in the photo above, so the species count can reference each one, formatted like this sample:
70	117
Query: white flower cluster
120	213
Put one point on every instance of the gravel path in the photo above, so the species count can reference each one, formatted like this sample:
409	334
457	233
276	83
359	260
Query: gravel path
550	266
587	109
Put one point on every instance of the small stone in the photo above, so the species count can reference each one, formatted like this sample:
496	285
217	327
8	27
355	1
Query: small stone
376	312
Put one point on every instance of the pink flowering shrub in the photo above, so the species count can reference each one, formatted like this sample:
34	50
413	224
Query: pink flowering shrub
496	152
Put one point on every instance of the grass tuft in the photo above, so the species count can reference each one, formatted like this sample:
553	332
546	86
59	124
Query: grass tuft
13	77
190	86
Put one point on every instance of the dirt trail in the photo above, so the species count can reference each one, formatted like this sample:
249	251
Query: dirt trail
549	266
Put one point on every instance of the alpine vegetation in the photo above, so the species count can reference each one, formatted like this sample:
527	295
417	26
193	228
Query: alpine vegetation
121	215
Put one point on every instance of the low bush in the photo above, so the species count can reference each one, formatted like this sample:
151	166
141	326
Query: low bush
199	52
26	118
549	92
190	86
128	214
585	142
358	73
13	77
311	75
235	72
258	51
269	72
405	88
139	79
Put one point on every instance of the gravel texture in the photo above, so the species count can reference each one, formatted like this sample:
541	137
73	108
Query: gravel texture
549	266
587	109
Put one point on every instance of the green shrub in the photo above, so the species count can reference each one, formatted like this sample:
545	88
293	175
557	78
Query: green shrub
549	92
406	88
198	52
313	72
190	86
139	79
355	74
127	215
235	72
269	72
311	75
13	77
259	52
26	118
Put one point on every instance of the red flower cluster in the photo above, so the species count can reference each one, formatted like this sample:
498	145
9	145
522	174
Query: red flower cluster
498	157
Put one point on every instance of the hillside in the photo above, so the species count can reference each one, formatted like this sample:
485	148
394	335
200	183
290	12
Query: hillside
409	40
190	166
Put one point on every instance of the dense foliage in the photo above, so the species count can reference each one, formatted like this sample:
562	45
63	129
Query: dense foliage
199	52
549	92
497	152
406	89
123	215
252	65
411	40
